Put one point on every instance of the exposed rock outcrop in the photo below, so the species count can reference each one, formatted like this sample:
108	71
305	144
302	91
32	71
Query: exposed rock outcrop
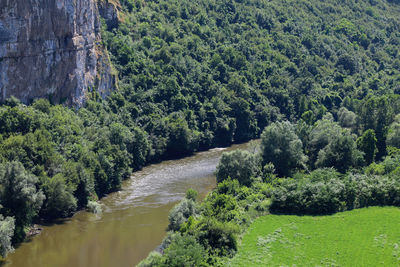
52	49
109	11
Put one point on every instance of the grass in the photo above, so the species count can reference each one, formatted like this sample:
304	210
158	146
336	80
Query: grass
364	237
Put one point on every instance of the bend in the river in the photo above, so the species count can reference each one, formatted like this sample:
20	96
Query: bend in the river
132	224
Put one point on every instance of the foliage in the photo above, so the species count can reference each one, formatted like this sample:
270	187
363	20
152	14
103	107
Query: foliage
212	226
238	164
18	196
347	118
184	250
333	194
181	213
224	207
60	201
191	194
393	136
281	146
198	74
321	135
340	153
217	236
390	165
367	144
153	260
7	226
376	114
209	73
94	207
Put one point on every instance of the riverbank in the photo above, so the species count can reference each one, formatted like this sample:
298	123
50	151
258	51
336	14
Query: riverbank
133	221
35	229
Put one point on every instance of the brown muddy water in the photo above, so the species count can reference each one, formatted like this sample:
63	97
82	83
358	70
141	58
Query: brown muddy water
133	221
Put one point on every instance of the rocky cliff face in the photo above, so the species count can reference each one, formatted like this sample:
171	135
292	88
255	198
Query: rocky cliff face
51	49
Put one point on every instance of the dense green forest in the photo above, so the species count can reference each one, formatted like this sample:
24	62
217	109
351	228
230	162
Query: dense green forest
322	76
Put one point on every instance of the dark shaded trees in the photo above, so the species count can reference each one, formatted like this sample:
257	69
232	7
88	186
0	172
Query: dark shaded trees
367	144
393	136
60	202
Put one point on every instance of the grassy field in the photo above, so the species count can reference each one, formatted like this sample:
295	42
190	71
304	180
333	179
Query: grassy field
364	237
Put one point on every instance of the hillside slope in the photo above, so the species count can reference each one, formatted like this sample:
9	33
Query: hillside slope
229	68
200	74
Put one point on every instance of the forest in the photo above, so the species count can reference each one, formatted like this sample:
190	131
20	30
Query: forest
317	81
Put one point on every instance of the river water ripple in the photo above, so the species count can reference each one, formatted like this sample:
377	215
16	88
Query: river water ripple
133	221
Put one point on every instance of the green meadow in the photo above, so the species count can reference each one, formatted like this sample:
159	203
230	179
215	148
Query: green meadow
363	237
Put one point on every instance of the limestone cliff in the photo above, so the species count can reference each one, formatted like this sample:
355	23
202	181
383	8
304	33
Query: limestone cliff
52	49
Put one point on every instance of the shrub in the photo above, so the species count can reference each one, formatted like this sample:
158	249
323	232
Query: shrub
94	207
221	206
328	195
218	237
184	250
181	213
191	194
153	260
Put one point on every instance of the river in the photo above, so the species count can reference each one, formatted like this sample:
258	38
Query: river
133	221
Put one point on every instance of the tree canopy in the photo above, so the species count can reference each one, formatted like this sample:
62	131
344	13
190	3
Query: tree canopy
282	147
318	81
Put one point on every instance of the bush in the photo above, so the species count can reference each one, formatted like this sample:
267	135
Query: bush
219	237
308	198
184	250
94	207
181	213
221	206
333	193
191	194
153	260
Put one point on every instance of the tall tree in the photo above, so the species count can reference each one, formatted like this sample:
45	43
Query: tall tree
19	196
282	147
367	144
393	136
7	226
341	153
320	136
377	114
